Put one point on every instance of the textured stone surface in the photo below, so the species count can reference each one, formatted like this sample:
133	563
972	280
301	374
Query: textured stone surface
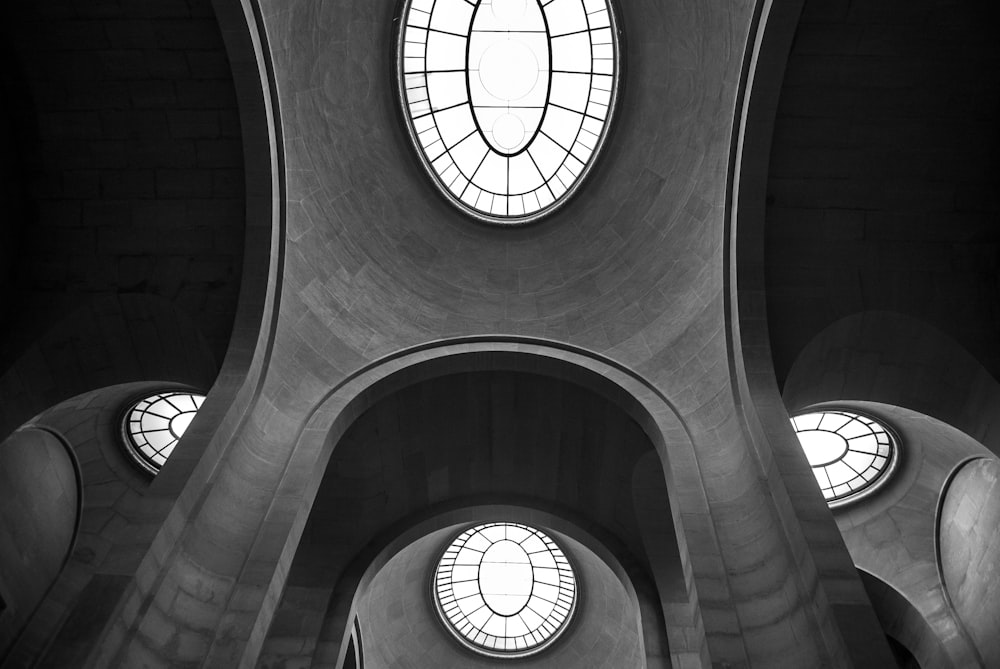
369	263
118	520
105	341
905	627
130	167
891	358
487	435
456	441
893	537
39	506
375	263
970	552
400	627
883	191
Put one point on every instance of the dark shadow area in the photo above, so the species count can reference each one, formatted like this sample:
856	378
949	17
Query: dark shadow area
884	182
904	658
123	178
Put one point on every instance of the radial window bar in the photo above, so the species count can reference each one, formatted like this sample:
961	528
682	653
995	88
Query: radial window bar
153	426
505	589
848	452
577	57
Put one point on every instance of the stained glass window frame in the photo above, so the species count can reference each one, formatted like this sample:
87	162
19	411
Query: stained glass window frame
571	156
134	436
871	478
472	636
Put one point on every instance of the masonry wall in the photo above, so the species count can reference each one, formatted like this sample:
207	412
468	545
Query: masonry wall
884	187
373	263
130	163
970	552
39	506
401	628
115	522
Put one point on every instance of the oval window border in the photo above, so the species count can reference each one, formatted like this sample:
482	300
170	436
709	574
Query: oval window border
399	26
558	635
885	475
128	444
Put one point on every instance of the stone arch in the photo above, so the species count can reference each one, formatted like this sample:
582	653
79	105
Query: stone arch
891	540
751	363
343	406
116	514
375	557
239	383
901	621
69	358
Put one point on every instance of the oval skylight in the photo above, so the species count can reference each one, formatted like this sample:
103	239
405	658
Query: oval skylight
504	589
508	101
153	426
849	453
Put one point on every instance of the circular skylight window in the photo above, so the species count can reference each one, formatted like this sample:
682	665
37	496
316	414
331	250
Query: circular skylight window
849	453
153	426
504	589
508	101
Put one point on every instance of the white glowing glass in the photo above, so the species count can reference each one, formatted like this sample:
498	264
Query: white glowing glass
849	453
508	101
153	426
504	589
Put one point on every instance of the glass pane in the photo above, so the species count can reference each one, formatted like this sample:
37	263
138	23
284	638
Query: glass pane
848	452
508	101
506	588
155	424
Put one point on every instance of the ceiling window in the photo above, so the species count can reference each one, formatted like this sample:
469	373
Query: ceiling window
508	101
504	589
849	453
153	426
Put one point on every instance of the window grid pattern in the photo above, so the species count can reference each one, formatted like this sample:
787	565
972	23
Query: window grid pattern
508	100
155	424
505	589
848	452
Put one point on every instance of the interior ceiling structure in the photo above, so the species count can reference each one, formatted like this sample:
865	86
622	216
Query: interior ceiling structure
123	242
884	185
795	206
